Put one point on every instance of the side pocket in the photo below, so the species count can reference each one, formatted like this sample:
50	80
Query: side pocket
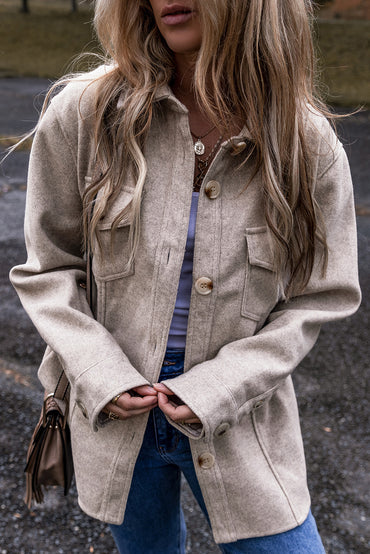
270	464
260	288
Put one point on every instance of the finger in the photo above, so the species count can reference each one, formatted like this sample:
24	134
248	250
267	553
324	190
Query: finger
128	402
177	413
121	409
125	414
145	390
173	398
160	387
192	420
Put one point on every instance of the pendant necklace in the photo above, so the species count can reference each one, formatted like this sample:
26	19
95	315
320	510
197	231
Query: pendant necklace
202	166
199	147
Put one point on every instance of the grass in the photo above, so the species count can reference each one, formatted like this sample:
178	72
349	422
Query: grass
8	142
344	54
44	42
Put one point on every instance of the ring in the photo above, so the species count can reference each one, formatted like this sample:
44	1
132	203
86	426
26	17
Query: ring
115	399
113	416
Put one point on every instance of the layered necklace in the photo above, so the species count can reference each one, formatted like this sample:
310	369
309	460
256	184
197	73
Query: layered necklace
202	164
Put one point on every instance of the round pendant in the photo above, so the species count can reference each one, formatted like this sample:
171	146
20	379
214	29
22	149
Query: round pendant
199	148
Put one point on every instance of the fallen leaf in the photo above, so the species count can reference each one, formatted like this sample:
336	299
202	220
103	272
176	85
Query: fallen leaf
15	375
327	429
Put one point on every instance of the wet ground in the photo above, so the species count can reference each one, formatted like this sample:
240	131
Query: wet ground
331	385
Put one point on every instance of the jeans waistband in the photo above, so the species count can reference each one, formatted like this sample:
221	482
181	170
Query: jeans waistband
174	354
173	363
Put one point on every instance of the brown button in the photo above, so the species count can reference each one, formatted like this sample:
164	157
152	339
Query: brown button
221	429
240	146
212	189
82	408
203	285
206	460
258	404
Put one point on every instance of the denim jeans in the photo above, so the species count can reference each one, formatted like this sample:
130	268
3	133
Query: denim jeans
154	522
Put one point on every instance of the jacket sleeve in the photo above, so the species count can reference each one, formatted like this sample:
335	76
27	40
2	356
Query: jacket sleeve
260	363
48	284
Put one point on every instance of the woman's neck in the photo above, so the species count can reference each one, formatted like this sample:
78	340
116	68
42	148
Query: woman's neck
183	88
184	76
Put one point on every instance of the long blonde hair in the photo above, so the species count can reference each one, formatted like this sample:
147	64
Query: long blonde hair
256	63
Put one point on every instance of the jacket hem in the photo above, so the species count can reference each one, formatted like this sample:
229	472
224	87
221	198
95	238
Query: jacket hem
98	515
219	538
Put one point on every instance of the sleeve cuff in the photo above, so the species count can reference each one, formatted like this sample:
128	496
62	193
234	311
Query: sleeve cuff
215	405
211	405
97	385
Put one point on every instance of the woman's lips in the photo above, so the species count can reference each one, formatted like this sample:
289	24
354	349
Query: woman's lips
177	18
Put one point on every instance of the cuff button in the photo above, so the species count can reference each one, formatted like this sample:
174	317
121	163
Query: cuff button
258	404
221	429
82	408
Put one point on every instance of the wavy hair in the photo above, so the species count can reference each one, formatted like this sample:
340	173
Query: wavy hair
256	63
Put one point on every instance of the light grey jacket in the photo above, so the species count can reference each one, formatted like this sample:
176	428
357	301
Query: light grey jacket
243	341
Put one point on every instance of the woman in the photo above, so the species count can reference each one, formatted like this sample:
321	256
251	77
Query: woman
217	202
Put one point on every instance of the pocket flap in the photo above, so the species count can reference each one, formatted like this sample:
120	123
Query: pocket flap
110	261
120	203
259	247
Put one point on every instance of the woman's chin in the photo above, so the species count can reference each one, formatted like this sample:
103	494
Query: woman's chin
183	48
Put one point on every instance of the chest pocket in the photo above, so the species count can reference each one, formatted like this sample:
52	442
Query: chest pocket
260	288
110	261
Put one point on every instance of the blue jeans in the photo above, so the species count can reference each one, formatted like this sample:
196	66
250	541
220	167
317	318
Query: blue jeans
154	522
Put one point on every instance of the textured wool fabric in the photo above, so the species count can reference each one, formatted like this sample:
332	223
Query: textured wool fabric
243	340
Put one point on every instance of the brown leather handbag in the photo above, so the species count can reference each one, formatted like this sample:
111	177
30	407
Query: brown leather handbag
49	456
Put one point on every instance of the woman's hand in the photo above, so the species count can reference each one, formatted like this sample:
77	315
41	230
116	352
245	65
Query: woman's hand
132	403
171	405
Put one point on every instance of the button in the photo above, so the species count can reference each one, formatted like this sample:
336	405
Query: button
239	147
221	429
206	460
258	404
203	285
82	408
212	189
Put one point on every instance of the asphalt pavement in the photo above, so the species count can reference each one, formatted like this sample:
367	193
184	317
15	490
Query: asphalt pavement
331	383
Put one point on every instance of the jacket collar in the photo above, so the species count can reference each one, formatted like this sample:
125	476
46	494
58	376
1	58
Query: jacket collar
165	93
